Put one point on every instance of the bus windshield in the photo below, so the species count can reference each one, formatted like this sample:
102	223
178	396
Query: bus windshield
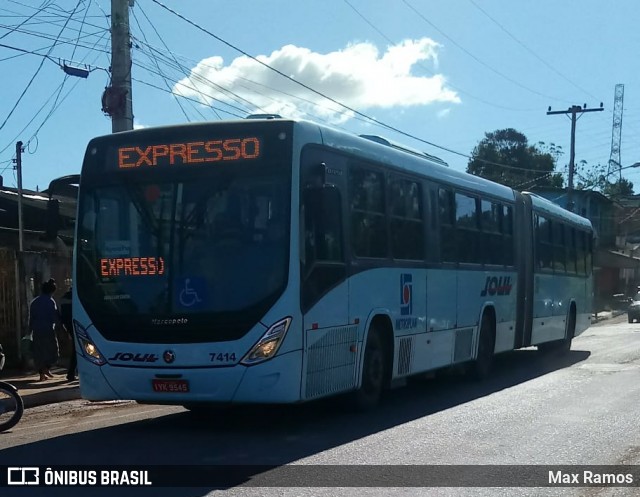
164	252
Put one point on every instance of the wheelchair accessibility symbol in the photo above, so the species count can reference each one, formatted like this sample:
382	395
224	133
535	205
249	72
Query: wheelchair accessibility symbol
192	292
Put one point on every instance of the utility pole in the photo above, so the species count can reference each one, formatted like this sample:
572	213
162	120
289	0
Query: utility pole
574	110
19	174
117	99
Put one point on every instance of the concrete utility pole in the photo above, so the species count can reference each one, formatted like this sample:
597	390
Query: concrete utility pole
117	99
574	110
19	175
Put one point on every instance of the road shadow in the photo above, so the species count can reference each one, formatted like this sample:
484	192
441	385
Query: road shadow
269	435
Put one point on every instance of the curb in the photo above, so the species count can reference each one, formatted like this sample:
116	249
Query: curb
50	397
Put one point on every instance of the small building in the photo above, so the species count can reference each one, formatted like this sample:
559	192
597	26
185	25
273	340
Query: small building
48	221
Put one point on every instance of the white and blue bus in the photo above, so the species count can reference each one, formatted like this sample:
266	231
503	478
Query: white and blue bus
279	261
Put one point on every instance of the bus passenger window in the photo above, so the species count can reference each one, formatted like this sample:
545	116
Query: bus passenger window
446	210
323	264
368	223
322	230
544	248
468	229
405	223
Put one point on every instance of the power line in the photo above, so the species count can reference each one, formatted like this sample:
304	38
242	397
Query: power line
86	10
151	85
24	22
313	90
479	61
173	57
303	85
34	75
155	60
529	50
55	60
57	18
156	72
60	41
475	97
234	95
55	107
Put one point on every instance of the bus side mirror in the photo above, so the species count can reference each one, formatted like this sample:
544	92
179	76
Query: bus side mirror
52	219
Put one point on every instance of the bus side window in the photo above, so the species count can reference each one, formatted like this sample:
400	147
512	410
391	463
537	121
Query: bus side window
322	258
581	253
468	229
367	212
446	214
544	247
405	220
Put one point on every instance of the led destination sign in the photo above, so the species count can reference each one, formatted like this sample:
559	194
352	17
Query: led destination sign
197	152
132	266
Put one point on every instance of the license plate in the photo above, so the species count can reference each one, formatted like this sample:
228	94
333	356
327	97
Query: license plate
170	386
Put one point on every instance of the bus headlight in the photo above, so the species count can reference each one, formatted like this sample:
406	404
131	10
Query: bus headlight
87	347
269	344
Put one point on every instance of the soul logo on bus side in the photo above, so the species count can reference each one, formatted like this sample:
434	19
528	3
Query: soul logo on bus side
497	286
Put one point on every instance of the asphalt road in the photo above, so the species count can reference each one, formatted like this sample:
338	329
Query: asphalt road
535	410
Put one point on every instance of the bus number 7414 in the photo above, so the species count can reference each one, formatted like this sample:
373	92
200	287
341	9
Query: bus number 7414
222	357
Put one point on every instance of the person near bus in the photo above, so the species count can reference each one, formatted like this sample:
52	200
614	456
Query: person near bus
67	322
43	318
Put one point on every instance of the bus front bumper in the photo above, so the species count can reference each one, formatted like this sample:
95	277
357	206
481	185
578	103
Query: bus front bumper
274	381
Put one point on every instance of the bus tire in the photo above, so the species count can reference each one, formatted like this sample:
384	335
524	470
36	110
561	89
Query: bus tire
481	368
373	372
563	346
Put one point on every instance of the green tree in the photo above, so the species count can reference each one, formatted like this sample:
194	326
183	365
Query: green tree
620	188
589	177
596	178
505	156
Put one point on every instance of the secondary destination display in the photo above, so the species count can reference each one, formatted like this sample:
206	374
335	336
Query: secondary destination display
196	152
132	266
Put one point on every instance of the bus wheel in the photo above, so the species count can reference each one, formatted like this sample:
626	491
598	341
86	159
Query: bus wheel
373	372
482	366
563	346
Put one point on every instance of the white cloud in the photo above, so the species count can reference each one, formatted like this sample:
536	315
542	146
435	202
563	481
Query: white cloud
137	125
444	113
358	76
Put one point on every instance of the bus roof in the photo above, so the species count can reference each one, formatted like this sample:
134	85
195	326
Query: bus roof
545	206
374	148
401	157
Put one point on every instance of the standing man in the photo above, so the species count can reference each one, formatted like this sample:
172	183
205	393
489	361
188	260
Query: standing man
67	321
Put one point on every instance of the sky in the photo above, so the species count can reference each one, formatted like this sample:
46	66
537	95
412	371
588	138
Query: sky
441	72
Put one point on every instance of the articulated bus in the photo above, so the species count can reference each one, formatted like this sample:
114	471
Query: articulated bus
279	261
